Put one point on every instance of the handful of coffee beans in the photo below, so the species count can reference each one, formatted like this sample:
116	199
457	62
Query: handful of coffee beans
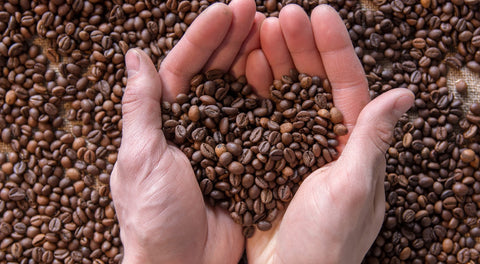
250	154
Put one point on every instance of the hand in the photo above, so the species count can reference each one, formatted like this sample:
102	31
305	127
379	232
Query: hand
338	210
160	208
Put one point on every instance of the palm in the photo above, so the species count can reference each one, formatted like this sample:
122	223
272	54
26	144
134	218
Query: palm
321	220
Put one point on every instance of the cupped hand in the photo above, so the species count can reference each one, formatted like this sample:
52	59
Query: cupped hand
338	210
160	208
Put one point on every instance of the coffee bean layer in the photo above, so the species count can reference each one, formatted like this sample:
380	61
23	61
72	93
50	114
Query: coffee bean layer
250	154
62	79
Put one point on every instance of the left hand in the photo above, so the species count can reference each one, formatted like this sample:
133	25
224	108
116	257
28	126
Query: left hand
162	215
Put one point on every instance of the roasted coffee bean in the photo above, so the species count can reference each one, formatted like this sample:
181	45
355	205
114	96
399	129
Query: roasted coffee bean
236	168
461	86
207	151
264	225
435	158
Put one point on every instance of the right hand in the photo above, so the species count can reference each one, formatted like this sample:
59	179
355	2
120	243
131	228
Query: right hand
338	210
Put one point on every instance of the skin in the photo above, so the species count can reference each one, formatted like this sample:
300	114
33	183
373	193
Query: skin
337	212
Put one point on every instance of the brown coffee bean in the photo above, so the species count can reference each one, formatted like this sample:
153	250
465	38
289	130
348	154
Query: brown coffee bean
225	159
335	115
236	167
207	151
54	225
284	193
308	158
467	155
461	86
340	130
264	225
449	203
194	113
234	148
256	134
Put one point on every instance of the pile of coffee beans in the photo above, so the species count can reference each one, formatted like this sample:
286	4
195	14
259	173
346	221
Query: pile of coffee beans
250	154
62	79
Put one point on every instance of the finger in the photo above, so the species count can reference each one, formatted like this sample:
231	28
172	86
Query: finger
344	71
194	49
243	12
141	101
275	48
297	31
251	43
372	134
258	73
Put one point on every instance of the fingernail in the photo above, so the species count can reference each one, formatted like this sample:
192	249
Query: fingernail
403	103
132	62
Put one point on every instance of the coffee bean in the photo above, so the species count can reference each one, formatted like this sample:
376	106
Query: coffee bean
461	86
264	225
256	134
340	130
225	159
236	167
248	231
264	147
54	225
420	41
234	148
207	151
16	194
467	155
284	193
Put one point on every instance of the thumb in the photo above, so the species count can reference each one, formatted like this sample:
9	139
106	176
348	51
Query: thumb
141	106
373	131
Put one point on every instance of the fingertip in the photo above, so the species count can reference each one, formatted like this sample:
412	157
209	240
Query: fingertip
404	101
377	120
388	107
329	29
219	9
132	62
269	24
247	5
323	9
289	9
139	65
291	17
259	17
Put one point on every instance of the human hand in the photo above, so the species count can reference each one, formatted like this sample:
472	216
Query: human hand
338	210
160	208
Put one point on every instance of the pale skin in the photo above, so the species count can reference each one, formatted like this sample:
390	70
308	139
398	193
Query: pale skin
337	212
